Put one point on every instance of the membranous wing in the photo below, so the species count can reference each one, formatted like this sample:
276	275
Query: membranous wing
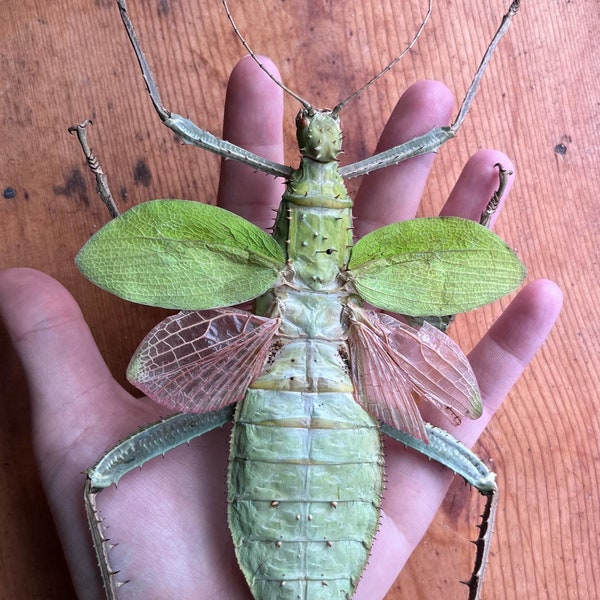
201	361
393	365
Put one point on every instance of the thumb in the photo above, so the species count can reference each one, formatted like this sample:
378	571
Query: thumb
73	397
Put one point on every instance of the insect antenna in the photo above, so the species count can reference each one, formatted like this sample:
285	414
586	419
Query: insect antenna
381	73
257	60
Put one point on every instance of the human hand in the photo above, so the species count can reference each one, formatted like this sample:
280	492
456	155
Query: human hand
170	518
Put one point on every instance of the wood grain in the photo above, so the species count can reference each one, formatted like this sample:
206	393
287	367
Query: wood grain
64	61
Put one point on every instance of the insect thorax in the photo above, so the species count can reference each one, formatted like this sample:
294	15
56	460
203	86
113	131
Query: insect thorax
314	225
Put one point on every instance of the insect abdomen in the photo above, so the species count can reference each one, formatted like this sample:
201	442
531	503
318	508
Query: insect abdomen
305	480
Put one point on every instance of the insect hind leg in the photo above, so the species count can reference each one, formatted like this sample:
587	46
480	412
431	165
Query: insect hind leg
448	451
130	454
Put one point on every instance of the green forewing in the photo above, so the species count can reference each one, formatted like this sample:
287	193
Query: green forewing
182	254
435	266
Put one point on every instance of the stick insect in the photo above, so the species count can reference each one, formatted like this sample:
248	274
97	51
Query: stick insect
311	378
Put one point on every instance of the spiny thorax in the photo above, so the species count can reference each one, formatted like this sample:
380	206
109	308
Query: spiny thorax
314	224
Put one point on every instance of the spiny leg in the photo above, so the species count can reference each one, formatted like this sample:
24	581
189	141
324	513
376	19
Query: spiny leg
102	188
488	212
431	141
102	545
448	451
147	443
188	131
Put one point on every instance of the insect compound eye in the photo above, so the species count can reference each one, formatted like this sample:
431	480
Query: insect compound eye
302	122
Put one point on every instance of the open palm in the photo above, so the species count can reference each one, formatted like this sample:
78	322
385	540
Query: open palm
169	519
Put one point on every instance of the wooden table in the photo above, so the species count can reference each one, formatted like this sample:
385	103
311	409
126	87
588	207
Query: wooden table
64	61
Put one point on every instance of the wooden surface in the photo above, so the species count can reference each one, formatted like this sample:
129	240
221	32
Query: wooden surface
64	61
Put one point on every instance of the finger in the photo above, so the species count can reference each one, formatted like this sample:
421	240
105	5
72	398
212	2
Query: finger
476	185
253	120
393	194
66	374
388	556
510	344
415	486
501	356
54	345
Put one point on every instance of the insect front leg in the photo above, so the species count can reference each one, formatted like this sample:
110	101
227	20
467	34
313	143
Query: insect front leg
448	451
147	443
188	131
431	141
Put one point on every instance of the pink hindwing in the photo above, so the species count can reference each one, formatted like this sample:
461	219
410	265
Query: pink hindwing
200	361
393	364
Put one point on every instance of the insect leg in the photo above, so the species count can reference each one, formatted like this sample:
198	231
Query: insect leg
448	451
431	141
189	132
492	205
96	168
149	442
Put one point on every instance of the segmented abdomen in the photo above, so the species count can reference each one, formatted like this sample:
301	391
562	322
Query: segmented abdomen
305	480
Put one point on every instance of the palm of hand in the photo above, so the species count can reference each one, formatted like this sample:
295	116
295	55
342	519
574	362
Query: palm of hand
170	518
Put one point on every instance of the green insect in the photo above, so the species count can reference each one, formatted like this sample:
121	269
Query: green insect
311	378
